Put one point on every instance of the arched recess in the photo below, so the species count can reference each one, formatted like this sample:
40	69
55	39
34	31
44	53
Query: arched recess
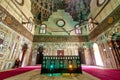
115	39
39	58
97	55
24	49
81	55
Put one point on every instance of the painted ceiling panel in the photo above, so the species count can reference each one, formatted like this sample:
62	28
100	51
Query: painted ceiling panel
78	9
48	12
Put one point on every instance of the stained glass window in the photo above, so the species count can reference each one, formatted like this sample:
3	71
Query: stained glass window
78	29
43	29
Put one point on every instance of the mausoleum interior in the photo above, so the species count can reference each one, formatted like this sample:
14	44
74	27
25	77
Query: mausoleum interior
89	29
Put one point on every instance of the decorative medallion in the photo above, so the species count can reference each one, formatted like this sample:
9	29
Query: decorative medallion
20	2
8	20
110	20
60	22
100	2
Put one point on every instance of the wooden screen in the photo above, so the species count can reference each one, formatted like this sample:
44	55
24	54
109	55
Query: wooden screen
61	64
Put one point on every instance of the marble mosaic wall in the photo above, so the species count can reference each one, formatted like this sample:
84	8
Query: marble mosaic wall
19	12
11	44
108	43
52	48
67	48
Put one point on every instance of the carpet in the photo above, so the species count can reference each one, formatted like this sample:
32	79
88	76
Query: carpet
13	72
35	75
101	73
30	73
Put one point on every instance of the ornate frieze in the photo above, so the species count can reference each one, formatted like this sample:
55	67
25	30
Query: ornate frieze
11	22
60	38
109	22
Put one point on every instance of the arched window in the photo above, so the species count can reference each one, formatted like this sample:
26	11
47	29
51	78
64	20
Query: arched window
43	29
90	24
97	55
78	29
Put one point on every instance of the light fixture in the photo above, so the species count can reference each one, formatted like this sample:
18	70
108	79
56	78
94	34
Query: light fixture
61	65
51	66
70	66
29	23
110	48
104	49
30	20
93	21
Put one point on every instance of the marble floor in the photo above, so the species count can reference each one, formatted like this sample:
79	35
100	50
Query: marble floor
35	75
